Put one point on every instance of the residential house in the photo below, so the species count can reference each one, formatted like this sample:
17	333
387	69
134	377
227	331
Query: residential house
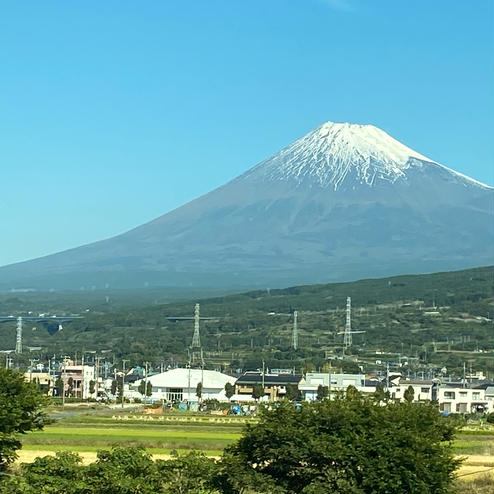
274	384
334	382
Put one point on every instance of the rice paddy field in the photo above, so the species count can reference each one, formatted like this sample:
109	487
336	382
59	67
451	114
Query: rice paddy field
86	432
91	431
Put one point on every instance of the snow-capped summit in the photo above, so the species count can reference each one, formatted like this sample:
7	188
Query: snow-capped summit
337	154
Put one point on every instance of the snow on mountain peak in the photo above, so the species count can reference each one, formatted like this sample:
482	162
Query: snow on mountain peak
338	152
365	141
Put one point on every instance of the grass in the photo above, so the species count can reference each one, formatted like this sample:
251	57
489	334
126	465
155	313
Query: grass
469	443
90	433
145	437
483	484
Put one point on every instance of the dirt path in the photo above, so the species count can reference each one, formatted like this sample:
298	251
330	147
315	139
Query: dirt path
473	466
28	456
476	466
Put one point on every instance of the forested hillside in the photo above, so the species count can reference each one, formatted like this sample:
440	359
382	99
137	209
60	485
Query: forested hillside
427	321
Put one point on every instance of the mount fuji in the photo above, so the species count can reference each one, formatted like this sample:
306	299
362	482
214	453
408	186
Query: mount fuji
343	202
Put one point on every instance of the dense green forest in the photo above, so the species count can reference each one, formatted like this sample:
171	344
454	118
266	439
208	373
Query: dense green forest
423	322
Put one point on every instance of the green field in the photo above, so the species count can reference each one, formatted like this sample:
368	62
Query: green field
479	444
86	433
182	432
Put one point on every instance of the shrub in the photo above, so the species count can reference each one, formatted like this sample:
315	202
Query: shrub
351	444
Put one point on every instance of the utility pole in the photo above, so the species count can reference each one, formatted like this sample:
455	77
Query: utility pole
63	384
96	376
263	364
188	387
124	361
146	381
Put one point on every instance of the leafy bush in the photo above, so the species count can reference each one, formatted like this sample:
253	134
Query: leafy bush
21	410
352	444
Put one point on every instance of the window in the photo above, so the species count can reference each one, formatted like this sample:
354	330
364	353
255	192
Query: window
449	395
424	390
175	394
463	393
476	396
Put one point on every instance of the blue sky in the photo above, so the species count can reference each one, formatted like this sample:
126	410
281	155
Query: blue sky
115	112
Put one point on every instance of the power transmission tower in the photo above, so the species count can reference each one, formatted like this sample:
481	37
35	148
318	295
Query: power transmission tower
295	331
196	338
347	337
347	334
18	336
41	319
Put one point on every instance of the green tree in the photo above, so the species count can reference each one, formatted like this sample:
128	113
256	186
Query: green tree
142	387
120	390
149	389
229	390
92	387
352	444
123	471
379	393
21	410
257	391
322	392
291	392
51	475
58	386
409	394
193	473
199	390
119	471
308	367
114	387
70	386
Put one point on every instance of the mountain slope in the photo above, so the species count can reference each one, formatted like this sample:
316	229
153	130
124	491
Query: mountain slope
343	202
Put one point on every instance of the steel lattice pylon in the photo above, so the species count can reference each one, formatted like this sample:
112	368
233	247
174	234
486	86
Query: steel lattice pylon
196	338
347	338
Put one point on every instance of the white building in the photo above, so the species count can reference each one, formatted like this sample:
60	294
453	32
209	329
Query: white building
77	379
422	390
452	397
181	385
334	382
456	398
